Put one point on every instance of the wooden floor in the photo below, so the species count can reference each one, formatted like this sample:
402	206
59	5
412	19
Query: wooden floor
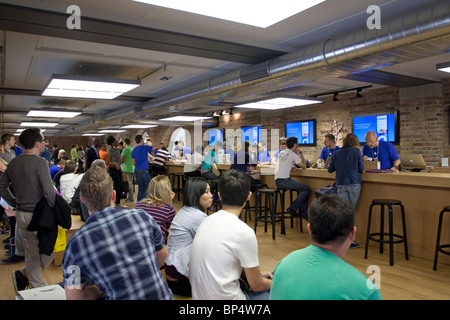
412	279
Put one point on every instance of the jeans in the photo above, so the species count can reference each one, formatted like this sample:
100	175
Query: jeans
142	179
262	295
350	192
302	200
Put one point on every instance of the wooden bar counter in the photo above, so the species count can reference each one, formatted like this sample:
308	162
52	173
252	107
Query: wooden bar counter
423	195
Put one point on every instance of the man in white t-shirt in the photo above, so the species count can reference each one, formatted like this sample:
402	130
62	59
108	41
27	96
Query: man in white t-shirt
224	245
289	160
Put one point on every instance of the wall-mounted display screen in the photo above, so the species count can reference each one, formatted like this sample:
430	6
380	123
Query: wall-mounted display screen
385	125
252	134
304	131
215	135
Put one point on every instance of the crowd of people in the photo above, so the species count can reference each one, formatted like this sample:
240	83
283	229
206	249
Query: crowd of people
119	251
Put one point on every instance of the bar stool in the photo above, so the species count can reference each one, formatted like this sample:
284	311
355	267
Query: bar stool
217	204
283	195
402	238
248	209
271	196
440	247
177	181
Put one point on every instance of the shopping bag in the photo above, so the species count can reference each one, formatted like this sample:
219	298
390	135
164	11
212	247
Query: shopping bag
61	240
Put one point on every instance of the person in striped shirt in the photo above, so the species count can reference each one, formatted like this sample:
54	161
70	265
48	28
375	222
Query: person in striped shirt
159	203
161	156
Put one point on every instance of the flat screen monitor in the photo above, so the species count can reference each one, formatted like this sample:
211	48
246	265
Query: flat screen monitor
252	134
385	125
304	131
215	135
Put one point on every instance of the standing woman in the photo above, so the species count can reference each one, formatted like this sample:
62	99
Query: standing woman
197	198
158	203
113	161
348	164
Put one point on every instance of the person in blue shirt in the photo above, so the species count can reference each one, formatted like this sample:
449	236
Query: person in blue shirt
140	161
282	147
383	151
329	148
263	154
228	149
183	151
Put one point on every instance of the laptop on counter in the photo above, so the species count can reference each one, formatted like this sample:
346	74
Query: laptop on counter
412	161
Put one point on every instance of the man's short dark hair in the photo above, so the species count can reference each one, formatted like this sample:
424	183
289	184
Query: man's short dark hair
138	138
194	189
127	141
110	140
234	187
331	219
291	141
29	137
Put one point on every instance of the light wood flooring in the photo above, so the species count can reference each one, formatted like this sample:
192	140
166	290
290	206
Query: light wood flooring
412	279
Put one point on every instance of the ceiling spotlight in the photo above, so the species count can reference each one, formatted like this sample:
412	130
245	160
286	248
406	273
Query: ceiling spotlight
335	97
216	114
358	93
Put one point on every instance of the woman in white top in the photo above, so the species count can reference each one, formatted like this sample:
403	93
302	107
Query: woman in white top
197	198
69	181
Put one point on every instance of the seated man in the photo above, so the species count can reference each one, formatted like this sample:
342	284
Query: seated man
329	148
263	154
288	160
120	250
224	245
318	272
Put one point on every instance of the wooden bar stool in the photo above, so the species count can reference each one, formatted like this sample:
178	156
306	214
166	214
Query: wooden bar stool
440	247
402	238
177	181
283	195
270	205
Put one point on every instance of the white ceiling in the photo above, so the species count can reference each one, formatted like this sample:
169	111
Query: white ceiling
182	50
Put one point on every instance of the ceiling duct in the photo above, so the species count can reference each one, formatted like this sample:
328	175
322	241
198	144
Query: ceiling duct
255	72
414	36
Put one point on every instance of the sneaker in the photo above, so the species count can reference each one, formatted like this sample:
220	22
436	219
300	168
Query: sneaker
354	245
20	282
292	213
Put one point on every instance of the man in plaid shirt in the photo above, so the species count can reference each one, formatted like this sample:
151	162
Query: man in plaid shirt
120	250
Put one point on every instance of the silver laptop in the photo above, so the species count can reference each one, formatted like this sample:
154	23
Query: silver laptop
412	161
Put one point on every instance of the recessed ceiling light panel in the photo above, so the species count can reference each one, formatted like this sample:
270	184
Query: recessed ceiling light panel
258	13
53	113
88	87
185	118
279	103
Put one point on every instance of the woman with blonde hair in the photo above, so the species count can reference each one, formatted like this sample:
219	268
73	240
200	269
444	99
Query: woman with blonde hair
159	203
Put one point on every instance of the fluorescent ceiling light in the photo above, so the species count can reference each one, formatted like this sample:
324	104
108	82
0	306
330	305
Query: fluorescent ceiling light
112	131
88	87
20	130
139	126
443	67
92	134
280	103
258	13
185	118
53	113
39	124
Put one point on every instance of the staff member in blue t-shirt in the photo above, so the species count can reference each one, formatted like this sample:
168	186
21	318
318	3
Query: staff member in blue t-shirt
140	162
382	151
329	148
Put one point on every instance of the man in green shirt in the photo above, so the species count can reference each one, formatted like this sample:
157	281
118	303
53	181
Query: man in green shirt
318	272
128	167
74	153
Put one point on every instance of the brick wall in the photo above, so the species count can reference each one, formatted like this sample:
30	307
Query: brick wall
423	114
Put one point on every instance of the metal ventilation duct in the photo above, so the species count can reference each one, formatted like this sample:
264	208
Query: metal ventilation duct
414	36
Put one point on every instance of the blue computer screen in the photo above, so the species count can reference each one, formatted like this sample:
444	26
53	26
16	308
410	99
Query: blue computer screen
384	125
304	131
252	134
